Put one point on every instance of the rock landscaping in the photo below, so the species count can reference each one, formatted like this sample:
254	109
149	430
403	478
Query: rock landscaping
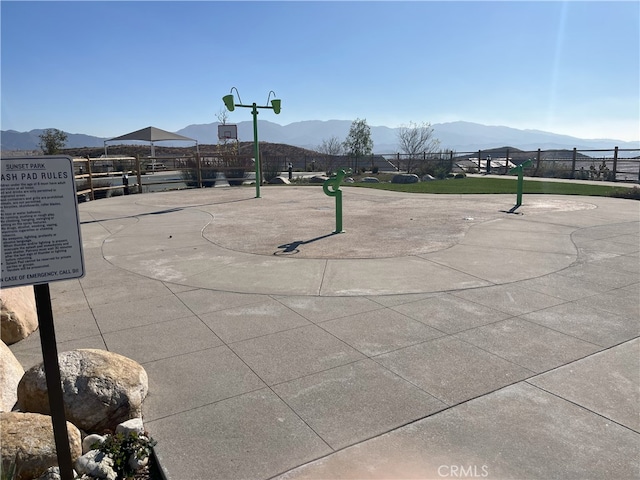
11	372
102	392
101	389
18	317
405	178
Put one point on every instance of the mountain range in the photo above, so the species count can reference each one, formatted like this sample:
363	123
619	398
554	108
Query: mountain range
459	136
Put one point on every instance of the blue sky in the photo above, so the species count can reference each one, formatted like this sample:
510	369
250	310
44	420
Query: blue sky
107	68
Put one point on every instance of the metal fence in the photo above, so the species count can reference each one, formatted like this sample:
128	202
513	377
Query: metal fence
621	165
618	165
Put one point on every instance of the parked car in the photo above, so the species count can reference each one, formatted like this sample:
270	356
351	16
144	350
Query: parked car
154	167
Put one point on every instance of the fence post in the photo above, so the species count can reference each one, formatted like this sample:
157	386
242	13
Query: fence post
537	163
615	164
506	163
573	162
138	174
90	177
199	168
479	157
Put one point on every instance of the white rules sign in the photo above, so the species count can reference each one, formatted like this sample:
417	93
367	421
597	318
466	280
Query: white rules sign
41	240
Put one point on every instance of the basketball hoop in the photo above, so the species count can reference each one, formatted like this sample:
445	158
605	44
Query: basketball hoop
227	132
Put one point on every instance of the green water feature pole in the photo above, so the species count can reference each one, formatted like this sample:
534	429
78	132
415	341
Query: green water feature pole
229	102
520	171
331	187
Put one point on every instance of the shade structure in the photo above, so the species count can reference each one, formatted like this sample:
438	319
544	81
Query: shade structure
151	135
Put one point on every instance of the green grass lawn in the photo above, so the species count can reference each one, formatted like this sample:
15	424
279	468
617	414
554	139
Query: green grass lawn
499	185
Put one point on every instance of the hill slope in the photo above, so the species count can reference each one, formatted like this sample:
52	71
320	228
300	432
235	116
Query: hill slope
457	136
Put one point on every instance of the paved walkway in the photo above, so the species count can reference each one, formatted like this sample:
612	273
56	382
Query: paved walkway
438	337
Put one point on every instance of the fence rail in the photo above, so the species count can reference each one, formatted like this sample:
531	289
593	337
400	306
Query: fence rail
107	176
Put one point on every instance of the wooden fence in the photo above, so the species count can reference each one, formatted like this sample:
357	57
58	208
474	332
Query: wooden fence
107	176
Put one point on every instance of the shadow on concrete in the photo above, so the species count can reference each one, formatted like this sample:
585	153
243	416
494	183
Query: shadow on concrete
292	248
159	212
513	210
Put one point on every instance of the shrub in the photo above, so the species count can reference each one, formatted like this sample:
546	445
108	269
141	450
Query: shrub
97	183
190	175
460	175
270	168
436	167
375	169
632	193
601	173
554	169
121	448
235	176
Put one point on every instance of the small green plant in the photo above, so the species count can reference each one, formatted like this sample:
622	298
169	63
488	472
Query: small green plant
8	472
121	448
460	175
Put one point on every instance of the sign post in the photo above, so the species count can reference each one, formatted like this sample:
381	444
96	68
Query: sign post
41	243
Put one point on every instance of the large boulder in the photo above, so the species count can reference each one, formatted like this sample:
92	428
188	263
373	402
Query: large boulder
279	181
100	389
27	439
18	316
405	178
318	179
370	180
11	372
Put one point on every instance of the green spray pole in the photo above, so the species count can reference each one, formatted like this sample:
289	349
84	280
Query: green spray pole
256	149
331	187
520	171
229	102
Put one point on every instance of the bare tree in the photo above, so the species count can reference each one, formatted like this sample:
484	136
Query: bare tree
415	141
226	146
331	148
222	116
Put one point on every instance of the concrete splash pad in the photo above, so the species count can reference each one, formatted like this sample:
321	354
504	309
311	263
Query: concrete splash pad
520	379
393	243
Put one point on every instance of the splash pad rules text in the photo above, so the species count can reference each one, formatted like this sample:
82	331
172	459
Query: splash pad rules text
40	229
